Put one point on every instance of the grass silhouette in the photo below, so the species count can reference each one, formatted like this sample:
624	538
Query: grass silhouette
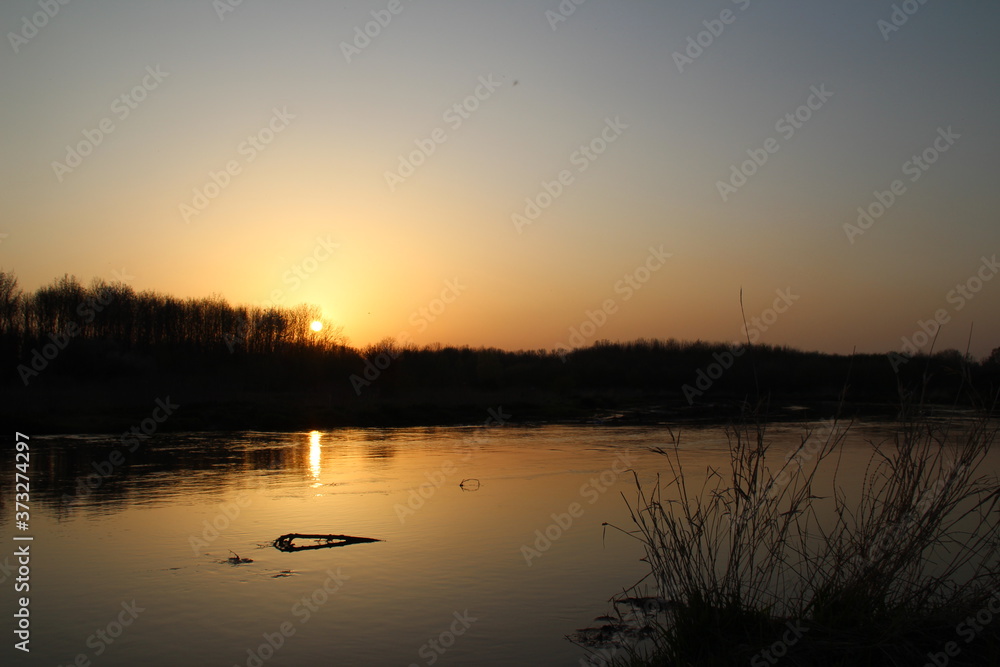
769	562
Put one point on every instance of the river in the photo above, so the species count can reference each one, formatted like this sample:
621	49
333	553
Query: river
493	546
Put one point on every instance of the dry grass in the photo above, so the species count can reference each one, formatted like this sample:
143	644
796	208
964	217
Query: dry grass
882	575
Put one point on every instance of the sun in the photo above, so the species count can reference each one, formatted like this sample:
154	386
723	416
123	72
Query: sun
316	326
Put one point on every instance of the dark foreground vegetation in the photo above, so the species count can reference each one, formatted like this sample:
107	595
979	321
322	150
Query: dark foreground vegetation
790	560
96	358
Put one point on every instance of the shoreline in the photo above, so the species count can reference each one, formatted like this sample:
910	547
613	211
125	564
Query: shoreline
89	413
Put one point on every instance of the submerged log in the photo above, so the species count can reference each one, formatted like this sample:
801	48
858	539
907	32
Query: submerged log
322	541
236	560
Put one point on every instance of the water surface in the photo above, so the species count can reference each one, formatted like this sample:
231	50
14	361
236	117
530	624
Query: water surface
495	571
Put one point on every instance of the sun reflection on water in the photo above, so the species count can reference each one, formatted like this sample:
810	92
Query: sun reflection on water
315	451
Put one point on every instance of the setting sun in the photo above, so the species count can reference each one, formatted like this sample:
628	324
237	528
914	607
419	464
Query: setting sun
316	326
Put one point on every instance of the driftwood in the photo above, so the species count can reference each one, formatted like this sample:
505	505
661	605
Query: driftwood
324	541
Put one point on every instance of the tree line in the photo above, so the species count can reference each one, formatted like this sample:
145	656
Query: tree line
89	332
114	311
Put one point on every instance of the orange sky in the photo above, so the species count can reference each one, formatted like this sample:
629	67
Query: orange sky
489	175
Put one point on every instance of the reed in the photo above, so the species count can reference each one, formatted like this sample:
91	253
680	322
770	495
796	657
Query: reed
769	561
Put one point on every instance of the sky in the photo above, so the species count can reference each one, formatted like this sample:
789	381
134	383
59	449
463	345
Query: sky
519	174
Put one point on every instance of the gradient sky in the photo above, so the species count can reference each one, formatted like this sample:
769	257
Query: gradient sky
323	175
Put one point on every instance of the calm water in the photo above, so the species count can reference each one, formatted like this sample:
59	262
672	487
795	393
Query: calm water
449	585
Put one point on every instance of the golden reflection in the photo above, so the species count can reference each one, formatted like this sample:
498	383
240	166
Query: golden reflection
315	451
